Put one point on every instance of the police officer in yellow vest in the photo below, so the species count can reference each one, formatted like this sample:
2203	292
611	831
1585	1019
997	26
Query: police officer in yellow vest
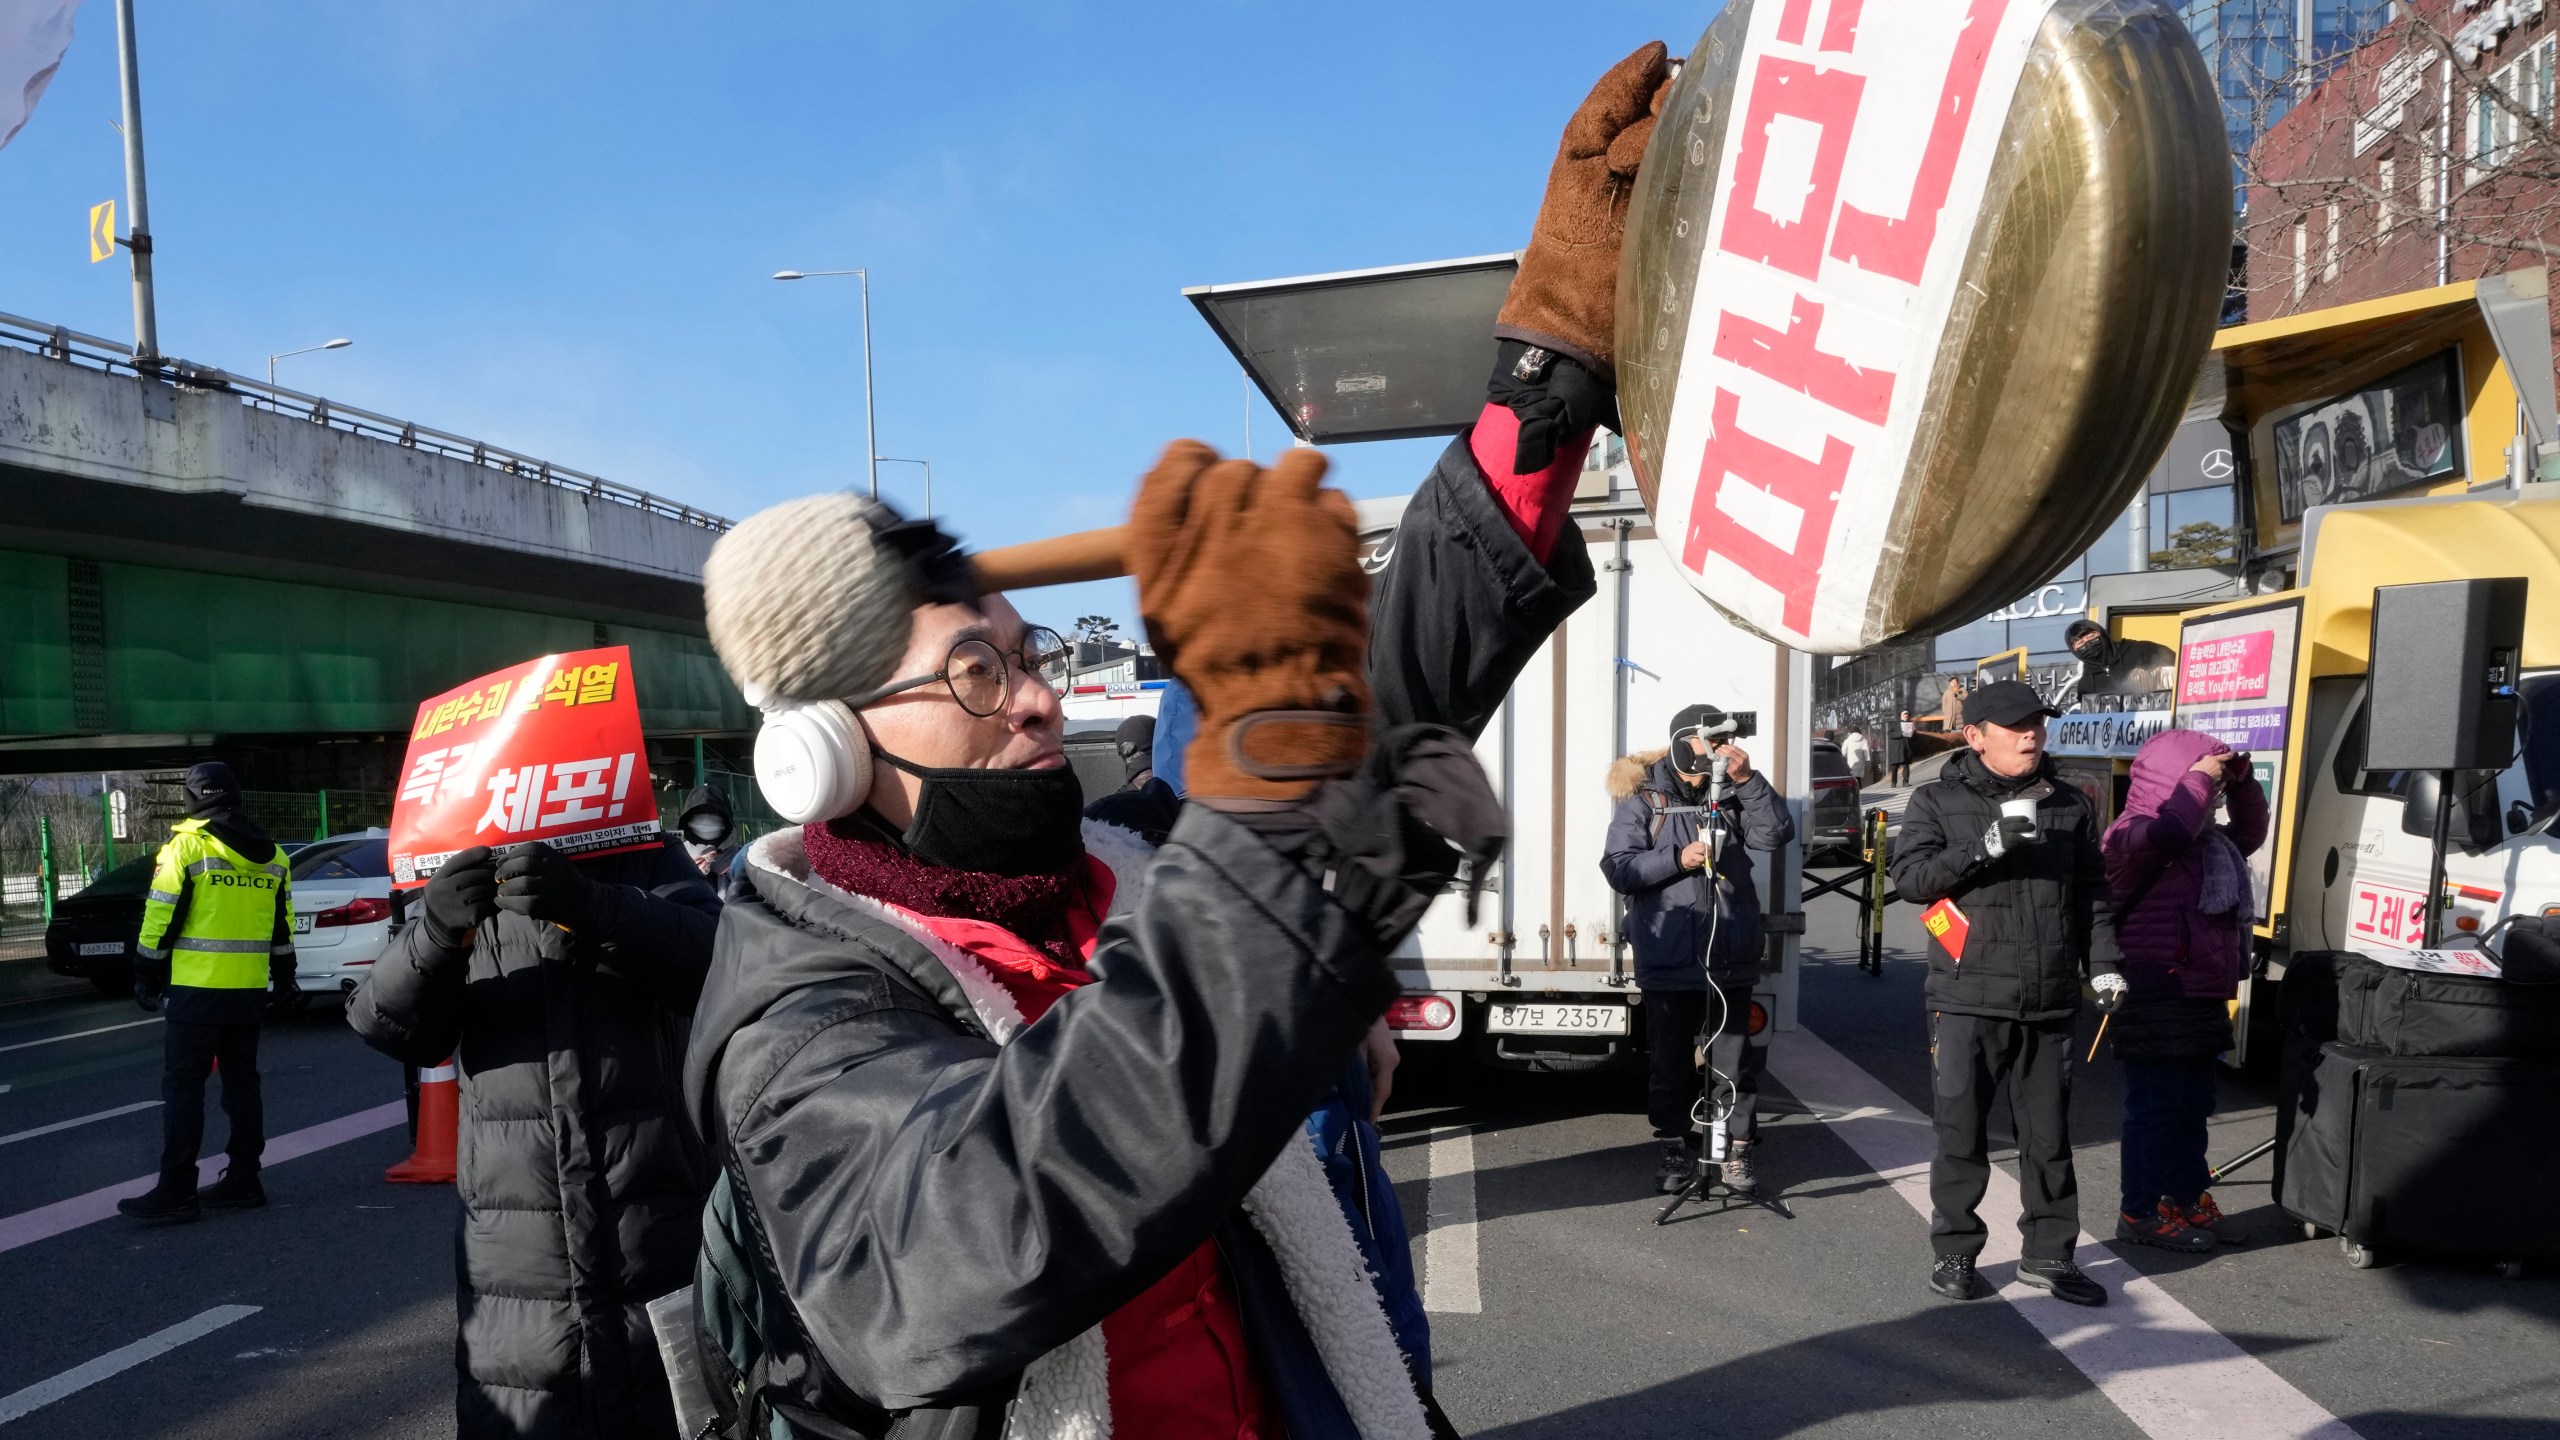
217	941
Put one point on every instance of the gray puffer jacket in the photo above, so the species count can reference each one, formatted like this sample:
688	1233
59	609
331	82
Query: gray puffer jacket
582	1185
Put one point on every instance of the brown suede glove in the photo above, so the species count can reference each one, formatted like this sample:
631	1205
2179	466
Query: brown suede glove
1252	590
1565	298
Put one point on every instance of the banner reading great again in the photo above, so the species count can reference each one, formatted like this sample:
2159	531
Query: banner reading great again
548	750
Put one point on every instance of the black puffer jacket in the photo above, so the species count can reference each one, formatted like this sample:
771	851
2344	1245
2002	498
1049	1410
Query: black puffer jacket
2039	917
582	1185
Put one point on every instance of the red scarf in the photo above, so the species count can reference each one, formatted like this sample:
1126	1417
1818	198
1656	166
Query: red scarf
1032	930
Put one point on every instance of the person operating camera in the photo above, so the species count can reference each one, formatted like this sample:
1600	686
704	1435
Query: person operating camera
1693	913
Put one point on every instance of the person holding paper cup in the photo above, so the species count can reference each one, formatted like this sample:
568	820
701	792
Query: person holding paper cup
2007	860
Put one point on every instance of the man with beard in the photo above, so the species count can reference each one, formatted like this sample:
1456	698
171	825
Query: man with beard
217	941
2014	852
1012	1115
1693	917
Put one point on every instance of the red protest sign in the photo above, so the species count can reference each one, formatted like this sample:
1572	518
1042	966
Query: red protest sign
548	750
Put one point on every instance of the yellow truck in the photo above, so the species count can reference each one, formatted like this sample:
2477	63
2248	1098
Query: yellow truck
2399	441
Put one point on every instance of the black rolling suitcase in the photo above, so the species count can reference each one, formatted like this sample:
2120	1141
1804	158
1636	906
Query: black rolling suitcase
2453	1154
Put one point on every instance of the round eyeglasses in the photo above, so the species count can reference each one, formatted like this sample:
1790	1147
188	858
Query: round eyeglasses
981	677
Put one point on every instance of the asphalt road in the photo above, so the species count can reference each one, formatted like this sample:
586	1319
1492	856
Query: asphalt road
1560	1309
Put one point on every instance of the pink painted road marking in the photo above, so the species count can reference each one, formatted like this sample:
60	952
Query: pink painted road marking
2172	1374
46	1221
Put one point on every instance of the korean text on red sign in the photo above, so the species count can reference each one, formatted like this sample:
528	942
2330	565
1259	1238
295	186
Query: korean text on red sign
548	750
2233	667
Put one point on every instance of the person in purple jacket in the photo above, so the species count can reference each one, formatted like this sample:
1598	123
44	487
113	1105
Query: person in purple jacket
2184	907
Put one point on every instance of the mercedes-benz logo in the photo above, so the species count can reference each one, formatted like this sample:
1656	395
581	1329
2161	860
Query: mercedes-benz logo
2216	465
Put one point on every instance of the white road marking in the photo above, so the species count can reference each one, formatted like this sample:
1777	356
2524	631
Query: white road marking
74	1124
2169	1372
78	1035
115	1362
1449	1242
46	1221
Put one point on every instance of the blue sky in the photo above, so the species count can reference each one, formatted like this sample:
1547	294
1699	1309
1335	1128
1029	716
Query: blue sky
552	225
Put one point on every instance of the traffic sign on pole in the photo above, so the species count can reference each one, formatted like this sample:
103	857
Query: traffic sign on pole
102	232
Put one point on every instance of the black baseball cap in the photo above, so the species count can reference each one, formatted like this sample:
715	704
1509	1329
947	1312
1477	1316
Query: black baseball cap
2072	632
2005	702
211	788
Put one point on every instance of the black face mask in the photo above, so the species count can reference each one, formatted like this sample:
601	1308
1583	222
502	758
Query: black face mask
1001	822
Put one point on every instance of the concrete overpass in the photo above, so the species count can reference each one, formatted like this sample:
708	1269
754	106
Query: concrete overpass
195	562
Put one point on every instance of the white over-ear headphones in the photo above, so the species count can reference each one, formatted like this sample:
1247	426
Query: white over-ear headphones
812	761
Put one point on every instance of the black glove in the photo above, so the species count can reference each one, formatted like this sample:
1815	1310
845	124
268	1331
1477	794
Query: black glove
463	893
2111	990
1553	395
2008	833
280	996
542	883
1388	839
146	994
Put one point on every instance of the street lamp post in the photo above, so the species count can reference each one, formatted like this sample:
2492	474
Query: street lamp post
146	321
305	350
870	421
928	478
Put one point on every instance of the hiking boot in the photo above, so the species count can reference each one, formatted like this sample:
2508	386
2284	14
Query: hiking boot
2207	1217
1673	1174
236	1190
162	1204
1738	1176
2063	1280
1952	1276
2166	1228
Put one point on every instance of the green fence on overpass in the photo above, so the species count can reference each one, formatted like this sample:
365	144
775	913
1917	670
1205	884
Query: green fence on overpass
96	647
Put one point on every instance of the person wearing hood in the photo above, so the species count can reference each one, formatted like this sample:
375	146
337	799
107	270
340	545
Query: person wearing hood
1147	801
2185	905
2013	851
561	988
1693	918
706	825
216	945
2117	667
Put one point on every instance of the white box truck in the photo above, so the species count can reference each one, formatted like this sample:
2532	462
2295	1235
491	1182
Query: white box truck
1543	979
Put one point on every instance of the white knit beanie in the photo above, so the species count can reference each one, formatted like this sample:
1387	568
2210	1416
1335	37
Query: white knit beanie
804	603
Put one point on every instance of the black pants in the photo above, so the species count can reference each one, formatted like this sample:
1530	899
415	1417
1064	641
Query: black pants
2166	1105
1901	772
1969	1056
1673	1021
188	1058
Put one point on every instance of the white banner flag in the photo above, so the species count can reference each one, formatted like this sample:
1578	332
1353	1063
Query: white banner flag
33	35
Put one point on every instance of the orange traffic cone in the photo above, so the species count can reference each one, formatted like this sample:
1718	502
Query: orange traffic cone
439	1116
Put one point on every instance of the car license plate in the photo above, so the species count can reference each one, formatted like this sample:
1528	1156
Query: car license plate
301	924
1553	1019
103	947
